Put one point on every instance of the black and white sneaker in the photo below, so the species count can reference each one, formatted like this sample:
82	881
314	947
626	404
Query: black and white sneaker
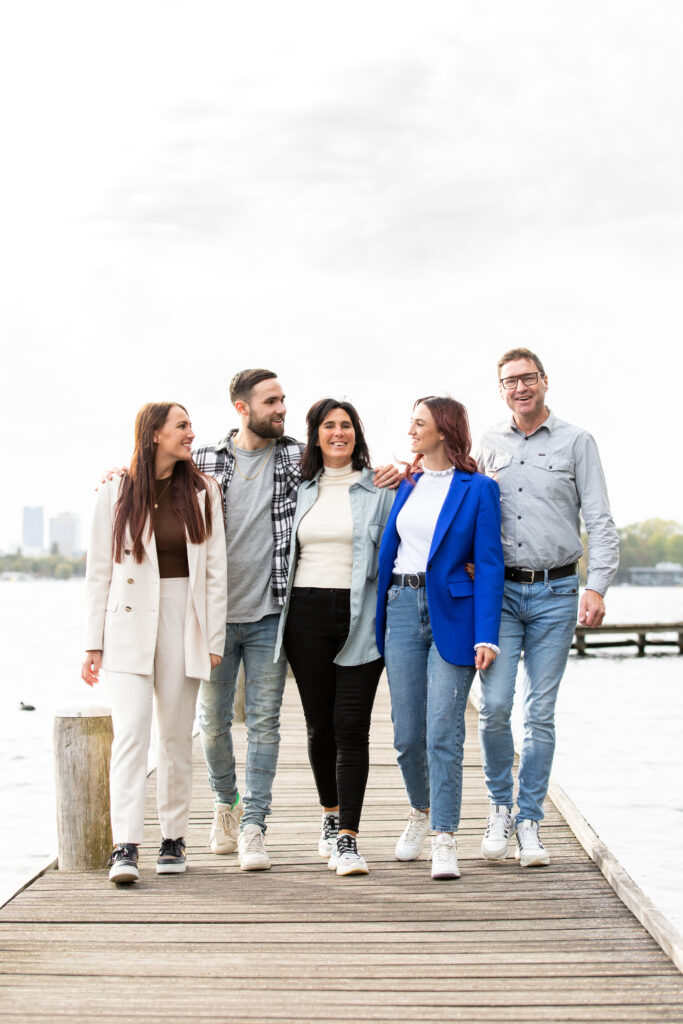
328	834
345	858
124	864
171	859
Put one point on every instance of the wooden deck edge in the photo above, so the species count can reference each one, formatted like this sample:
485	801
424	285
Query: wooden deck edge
631	895
50	865
667	937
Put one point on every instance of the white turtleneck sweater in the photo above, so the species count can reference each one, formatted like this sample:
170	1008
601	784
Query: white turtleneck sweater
416	521
325	534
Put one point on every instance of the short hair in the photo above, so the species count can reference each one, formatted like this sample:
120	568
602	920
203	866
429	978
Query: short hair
243	383
520	353
311	458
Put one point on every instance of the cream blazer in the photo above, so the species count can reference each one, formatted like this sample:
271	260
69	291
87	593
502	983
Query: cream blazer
122	598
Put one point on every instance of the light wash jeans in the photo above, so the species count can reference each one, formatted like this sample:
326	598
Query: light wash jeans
428	702
539	619
254	644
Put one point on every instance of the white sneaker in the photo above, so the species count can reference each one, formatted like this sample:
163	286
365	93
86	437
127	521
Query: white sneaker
251	846
411	840
328	835
500	827
444	856
225	827
530	852
345	858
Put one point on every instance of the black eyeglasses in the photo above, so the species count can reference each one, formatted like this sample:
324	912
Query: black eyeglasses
527	379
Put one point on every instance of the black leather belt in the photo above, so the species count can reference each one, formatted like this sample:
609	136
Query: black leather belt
518	575
414	580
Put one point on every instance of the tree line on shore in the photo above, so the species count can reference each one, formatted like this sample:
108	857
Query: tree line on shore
646	543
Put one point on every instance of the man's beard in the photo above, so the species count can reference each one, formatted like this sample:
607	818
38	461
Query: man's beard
265	427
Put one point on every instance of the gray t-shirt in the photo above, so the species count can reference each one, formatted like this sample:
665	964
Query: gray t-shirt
249	536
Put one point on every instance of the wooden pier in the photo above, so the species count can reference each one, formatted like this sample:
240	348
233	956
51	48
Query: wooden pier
298	944
633	634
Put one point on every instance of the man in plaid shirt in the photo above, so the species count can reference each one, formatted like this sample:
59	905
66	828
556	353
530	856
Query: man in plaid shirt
257	467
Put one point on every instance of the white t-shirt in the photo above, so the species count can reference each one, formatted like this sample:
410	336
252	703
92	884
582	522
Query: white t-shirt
416	521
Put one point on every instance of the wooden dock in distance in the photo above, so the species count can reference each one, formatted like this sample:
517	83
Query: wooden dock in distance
298	944
643	636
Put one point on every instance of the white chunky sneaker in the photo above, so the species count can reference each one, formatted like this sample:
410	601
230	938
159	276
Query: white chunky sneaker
225	827
328	835
500	827
251	847
444	856
345	858
530	852
411	840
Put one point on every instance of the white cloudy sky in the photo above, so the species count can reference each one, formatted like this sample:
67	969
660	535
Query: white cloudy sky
374	199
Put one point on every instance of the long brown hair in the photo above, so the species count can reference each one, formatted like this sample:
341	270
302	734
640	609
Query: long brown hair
450	418
135	505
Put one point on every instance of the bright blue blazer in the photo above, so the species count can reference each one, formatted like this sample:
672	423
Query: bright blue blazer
462	611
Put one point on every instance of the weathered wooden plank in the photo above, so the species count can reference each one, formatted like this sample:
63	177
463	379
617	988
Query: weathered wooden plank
298	943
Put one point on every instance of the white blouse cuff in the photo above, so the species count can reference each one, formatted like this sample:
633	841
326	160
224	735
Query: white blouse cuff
492	647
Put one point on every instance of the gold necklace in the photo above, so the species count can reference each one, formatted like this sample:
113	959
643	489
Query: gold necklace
261	467
160	496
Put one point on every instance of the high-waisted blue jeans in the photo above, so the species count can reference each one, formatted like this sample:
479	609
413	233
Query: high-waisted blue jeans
428	703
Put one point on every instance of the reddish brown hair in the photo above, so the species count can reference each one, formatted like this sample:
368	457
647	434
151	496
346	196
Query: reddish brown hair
450	418
135	505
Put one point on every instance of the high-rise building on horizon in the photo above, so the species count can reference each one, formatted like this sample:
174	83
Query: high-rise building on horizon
32	530
64	530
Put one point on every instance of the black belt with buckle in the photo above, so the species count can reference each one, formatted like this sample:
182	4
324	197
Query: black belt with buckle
414	580
518	575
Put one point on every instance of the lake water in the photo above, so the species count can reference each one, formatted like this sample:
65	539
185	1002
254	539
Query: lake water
619	751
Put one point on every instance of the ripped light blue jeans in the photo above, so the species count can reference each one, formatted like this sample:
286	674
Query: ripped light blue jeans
254	644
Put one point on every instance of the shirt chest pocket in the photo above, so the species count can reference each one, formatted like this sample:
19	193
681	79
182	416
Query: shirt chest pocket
552	476
499	466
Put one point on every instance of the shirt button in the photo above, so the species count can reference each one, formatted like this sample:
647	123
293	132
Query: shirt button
128	608
520	488
519	517
130	580
521	462
126	552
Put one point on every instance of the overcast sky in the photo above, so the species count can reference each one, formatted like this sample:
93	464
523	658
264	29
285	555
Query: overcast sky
373	199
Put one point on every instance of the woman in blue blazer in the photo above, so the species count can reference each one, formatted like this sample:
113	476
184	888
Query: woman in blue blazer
435	625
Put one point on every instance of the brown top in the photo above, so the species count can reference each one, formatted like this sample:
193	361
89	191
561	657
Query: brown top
169	534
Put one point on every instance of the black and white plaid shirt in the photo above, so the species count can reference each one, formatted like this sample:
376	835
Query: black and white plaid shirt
218	460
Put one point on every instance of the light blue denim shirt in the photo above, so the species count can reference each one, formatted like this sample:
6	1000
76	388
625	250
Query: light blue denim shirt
370	508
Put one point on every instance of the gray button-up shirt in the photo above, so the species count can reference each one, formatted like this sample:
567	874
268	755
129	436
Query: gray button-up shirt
545	480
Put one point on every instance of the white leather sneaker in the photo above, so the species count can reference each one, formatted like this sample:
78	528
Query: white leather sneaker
251	847
530	852
444	856
500	828
225	827
411	840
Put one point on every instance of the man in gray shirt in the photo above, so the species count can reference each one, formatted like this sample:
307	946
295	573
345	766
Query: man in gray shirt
548	472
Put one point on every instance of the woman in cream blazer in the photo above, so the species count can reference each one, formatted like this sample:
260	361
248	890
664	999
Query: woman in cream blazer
156	598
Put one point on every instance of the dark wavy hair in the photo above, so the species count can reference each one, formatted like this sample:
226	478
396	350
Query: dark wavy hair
312	459
135	505
451	420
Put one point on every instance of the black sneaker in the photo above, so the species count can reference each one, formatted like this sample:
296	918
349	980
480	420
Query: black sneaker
124	864
171	859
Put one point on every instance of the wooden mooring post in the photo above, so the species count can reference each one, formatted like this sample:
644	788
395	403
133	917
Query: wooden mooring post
82	751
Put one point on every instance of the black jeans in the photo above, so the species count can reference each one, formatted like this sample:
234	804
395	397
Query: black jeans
337	699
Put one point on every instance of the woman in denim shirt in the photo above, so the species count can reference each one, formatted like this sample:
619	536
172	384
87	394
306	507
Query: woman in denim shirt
328	621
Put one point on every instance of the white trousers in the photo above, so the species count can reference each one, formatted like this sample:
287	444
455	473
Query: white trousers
172	696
